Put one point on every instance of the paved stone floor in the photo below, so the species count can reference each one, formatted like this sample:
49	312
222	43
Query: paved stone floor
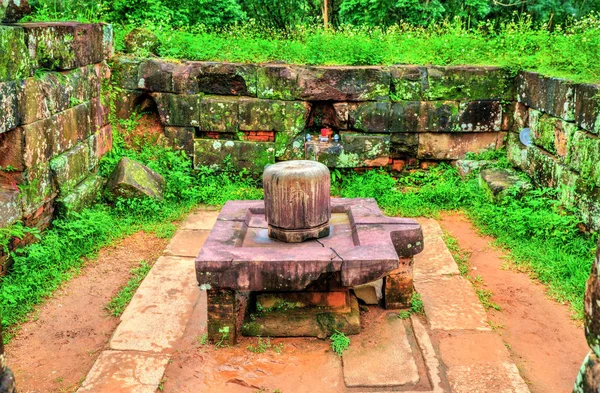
452	349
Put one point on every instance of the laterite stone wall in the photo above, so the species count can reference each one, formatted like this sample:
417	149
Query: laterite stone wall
53	118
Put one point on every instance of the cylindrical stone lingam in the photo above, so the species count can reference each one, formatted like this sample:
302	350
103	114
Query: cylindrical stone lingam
297	206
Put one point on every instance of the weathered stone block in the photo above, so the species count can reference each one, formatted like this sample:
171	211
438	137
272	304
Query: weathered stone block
550	95
369	116
70	127
404	144
32	102
125	72
157	75
38	188
500	183
343	83
13	10
370	293
516	151
480	116
279	82
108	49
253	156
469	83
466	167
131	179
398	286
442	146
10	117
221	313
141	41
551	133
71	167
178	109
587	107
64	45
353	150
592	306
288	148
407	82
27	146
126	102
84	194
15	62
588	379
423	116
99	144
584	156
10	208
219	114
271	115
181	138
224	78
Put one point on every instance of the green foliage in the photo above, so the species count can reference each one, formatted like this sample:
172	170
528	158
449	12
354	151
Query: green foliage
416	307
339	342
224	336
118	303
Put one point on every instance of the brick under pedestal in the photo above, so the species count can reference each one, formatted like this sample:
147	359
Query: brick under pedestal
221	316
398	286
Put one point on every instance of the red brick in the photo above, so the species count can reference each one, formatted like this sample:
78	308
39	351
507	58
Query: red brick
398	165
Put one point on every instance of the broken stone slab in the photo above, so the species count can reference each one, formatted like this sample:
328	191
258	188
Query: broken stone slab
500	183
467	167
141	41
13	10
370	293
592	306
131	179
64	45
126	372
383	360
253	156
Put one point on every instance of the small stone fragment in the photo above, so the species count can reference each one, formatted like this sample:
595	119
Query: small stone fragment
130	179
141	41
466	167
500	183
370	293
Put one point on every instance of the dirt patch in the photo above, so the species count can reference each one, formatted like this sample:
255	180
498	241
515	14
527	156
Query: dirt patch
544	342
55	350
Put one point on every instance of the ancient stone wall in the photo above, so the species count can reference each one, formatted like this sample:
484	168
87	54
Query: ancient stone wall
53	118
564	119
392	117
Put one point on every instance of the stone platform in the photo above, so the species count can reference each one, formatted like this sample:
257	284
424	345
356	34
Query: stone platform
449	349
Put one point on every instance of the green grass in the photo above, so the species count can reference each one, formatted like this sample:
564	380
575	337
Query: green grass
118	303
571	52
339	343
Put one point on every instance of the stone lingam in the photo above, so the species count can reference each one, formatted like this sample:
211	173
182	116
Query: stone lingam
285	266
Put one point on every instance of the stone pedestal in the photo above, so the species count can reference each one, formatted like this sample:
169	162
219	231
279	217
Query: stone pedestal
297	206
222	316
398	286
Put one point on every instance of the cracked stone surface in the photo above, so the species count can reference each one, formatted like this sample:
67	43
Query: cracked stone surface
121	371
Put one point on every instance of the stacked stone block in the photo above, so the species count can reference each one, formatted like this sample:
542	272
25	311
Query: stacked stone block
588	380
386	116
564	121
54	124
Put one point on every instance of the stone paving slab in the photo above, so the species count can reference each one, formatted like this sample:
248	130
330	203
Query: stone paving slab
434	260
187	242
430	227
201	219
158	313
125	372
451	304
385	360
